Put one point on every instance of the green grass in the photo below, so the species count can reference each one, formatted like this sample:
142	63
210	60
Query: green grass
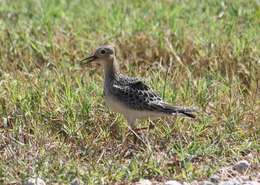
53	119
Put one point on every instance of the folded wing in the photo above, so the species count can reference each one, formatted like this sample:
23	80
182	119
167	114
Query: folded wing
135	94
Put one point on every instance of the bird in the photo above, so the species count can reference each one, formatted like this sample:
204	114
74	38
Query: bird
131	96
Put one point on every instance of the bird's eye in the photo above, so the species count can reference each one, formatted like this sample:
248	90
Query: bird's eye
102	52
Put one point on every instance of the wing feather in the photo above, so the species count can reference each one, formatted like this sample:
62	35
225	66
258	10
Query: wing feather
134	93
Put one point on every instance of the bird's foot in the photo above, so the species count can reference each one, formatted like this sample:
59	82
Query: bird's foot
140	129
151	126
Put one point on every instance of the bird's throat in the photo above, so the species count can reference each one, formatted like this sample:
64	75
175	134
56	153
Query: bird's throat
111	68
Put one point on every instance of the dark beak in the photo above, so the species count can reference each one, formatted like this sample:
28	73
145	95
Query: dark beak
88	60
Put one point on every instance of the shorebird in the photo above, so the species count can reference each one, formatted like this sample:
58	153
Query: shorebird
130	96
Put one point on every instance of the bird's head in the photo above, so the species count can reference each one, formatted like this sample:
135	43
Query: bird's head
102	54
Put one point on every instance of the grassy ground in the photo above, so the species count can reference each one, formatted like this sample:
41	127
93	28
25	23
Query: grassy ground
53	121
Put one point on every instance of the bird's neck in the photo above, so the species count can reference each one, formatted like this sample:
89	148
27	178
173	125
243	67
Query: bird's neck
111	68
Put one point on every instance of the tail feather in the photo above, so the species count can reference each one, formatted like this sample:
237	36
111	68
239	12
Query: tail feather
188	114
169	109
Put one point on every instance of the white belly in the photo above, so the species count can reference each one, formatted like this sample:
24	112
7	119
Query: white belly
116	106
